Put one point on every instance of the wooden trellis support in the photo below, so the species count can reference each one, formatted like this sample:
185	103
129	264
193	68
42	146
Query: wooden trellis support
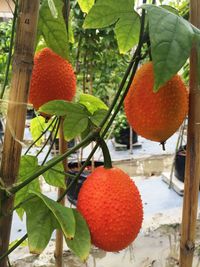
15	123
192	173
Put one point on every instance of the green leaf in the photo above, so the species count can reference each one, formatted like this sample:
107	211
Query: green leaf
127	32
28	166
76	121
171	9
55	178
40	223
98	116
107	12
56	107
171	41
37	126
53	28
85	5
92	103
64	215
81	243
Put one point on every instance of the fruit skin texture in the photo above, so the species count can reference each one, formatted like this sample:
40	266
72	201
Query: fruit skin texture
155	116
111	205
52	78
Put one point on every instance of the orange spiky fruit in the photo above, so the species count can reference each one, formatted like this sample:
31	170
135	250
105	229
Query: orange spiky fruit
111	205
52	78
155	116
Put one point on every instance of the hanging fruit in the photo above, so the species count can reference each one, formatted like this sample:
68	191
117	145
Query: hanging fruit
155	116
111	205
53	78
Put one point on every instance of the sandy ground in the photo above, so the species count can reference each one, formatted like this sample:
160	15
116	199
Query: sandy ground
157	248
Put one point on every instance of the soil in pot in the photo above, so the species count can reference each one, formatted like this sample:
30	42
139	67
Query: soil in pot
72	193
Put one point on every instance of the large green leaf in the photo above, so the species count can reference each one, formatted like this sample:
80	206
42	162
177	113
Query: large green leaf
52	27
43	216
92	103
65	216
40	223
81	242
53	177
28	166
98	116
107	12
127	30
76	121
86	5
54	107
57	107
171	41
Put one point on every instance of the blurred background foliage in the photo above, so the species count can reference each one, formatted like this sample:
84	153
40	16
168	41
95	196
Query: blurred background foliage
98	64
5	34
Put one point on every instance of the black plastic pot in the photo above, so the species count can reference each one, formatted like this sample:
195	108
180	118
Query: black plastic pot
30	114
179	164
73	192
70	144
124	137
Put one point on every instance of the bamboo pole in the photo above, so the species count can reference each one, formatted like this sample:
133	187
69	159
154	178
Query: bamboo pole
58	254
192	171
21	73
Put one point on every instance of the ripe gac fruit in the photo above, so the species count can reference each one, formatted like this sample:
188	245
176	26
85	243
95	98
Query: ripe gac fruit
111	205
52	78
155	116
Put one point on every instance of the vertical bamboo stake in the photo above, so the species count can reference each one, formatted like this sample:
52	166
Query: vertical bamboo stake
192	176
58	254
22	67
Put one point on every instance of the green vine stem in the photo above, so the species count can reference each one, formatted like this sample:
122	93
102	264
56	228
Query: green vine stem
121	86
39	137
64	173
53	141
49	137
80	171
10	50
106	153
49	165
16	245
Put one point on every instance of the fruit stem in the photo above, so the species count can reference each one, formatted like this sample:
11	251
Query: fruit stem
163	145
106	153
